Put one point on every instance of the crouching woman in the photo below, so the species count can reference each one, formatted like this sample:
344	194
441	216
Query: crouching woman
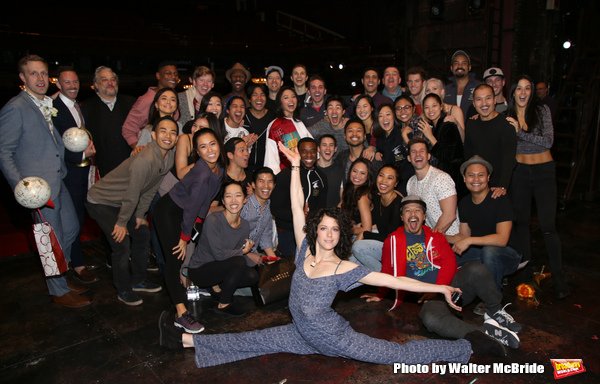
223	261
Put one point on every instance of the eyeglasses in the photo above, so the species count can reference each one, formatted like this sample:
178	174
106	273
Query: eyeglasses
404	107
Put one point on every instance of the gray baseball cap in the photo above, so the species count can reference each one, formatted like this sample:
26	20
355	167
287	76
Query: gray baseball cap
476	160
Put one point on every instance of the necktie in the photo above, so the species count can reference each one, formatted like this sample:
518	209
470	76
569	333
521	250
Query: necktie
78	108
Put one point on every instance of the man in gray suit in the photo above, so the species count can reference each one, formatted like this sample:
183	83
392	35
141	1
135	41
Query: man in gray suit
30	145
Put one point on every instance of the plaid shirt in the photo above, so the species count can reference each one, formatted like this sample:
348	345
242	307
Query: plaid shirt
261	222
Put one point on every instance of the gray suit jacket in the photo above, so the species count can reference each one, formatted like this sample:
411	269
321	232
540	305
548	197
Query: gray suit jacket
27	147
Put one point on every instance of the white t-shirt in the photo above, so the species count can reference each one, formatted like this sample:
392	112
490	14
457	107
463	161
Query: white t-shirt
436	185
234	132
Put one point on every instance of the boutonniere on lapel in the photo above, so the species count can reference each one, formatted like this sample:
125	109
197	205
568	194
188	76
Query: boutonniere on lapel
49	112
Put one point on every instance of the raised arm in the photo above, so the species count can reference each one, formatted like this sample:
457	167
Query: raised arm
296	192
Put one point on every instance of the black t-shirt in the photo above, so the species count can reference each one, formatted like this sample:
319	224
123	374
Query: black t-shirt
334	174
483	217
418	265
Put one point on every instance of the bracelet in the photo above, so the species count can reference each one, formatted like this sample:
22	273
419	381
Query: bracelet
295	167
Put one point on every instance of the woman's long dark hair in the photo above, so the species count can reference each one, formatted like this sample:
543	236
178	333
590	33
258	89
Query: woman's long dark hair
377	130
279	112
352	193
532	117
154	113
200	133
206	99
343	249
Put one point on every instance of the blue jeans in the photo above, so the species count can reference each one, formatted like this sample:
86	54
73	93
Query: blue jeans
367	253
63	220
500	261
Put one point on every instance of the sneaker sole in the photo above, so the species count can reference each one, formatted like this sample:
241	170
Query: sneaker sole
160	329
131	303
502	334
187	329
515	327
148	290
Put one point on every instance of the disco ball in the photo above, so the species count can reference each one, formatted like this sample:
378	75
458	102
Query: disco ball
76	139
32	192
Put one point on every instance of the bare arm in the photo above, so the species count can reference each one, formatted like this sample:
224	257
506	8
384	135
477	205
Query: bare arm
463	231
498	239
448	206
181	156
407	284
364	208
296	192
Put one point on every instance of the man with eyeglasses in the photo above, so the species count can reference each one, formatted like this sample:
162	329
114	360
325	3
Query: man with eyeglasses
494	77
167	76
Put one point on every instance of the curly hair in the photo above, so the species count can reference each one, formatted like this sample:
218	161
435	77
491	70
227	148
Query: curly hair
343	249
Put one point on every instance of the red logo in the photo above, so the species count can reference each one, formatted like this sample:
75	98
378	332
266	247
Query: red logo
567	367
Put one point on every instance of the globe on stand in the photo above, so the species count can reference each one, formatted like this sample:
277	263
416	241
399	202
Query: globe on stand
32	192
76	139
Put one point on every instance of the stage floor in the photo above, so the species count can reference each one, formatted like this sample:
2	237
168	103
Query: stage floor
109	342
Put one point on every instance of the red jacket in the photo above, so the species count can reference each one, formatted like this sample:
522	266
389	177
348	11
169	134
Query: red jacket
438	251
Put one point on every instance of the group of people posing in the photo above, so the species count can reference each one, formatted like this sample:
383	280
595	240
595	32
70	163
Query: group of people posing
430	185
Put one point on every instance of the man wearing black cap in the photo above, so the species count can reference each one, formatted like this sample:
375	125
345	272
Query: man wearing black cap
459	90
494	77
485	223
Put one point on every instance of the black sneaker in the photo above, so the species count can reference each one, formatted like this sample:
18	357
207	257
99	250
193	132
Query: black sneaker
169	335
504	319
147	286
232	310
188	323
502	334
484	345
152	264
130	298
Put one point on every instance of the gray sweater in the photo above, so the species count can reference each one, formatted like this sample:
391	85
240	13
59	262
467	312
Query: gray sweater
219	241
132	185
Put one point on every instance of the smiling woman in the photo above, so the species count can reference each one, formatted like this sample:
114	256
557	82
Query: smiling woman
183	209
321	272
223	260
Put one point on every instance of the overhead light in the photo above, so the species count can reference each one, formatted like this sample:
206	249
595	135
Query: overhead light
353	83
330	66
567	44
341	66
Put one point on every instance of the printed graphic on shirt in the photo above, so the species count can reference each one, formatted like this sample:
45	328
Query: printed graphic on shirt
416	260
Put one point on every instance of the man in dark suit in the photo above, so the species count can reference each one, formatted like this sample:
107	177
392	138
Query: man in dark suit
30	145
78	164
104	115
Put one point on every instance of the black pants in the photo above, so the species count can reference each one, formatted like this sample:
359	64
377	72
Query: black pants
229	274
537	182
167	217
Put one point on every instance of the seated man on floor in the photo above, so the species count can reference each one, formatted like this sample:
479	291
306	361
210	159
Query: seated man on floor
415	251
485	223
